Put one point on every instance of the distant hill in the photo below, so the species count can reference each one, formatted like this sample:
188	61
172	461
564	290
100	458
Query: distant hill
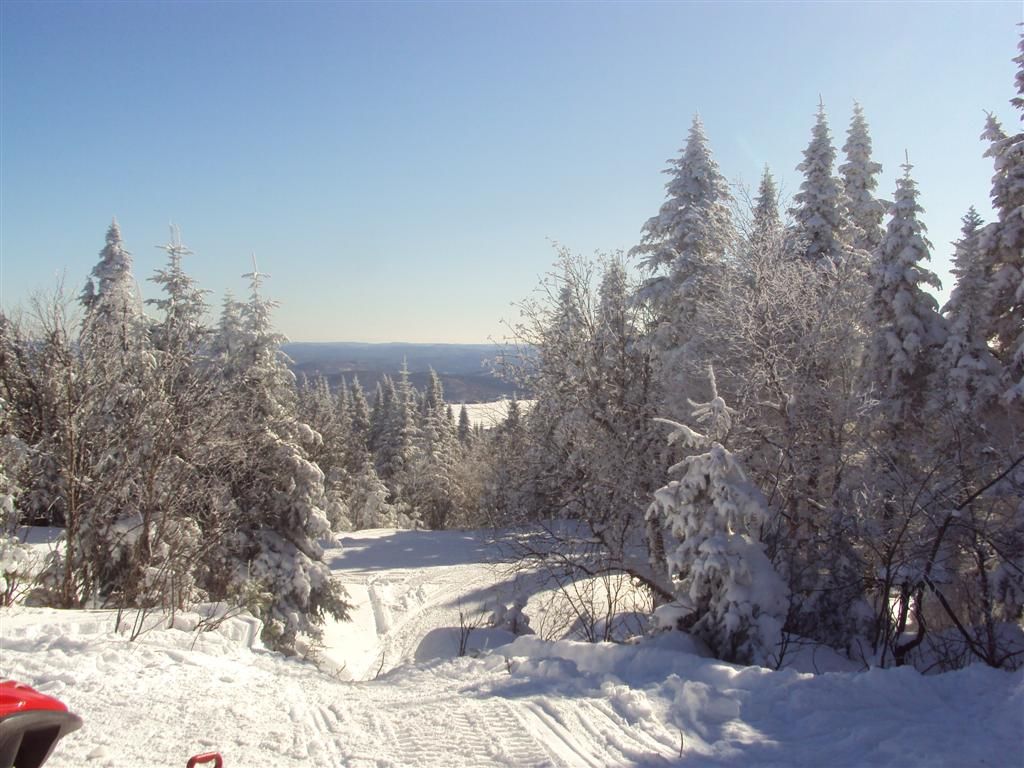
464	368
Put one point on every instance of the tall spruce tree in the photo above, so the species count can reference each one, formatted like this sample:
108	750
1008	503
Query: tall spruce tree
1002	242
360	433
278	494
968	370
819	211
682	248
903	317
111	296
465	428
121	407
863	210
766	224
431	478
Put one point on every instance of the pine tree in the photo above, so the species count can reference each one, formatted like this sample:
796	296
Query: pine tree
433	399
968	370
683	245
15	555
343	408
227	338
819	219
369	505
380	417
904	320
402	434
111	296
360	432
622	449
766	226
1002	242
727	592
179	439
501	498
863	210
465	432
430	479
278	494
329	451
120	416
183	305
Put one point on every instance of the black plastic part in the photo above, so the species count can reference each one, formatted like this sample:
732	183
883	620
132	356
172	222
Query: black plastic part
28	738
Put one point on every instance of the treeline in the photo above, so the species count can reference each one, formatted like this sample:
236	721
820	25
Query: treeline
405	461
185	464
846	457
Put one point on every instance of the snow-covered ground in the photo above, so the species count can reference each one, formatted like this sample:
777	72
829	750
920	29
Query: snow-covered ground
391	691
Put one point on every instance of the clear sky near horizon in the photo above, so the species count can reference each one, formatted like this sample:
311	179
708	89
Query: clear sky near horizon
401	168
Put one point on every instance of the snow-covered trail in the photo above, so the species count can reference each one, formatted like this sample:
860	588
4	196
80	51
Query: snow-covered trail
402	586
173	693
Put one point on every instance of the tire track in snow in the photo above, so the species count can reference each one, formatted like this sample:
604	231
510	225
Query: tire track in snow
432	725
586	732
515	744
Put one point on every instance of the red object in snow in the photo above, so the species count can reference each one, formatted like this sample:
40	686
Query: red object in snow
31	724
207	757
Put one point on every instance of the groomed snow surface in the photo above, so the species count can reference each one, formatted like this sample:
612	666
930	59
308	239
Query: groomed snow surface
391	690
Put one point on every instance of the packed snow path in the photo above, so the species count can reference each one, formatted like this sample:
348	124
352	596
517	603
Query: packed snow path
404	584
173	693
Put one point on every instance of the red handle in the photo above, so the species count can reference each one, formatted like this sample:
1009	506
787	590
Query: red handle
206	757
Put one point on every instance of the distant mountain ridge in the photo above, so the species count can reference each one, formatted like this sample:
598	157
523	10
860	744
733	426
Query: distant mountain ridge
464	369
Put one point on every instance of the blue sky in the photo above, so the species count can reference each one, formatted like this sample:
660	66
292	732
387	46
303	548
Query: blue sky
401	168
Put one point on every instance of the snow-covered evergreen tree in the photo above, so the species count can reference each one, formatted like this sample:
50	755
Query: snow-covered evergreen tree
465	429
122	415
360	416
727	592
433	396
394	424
863	210
343	409
903	317
502	493
1002	242
685	250
819	211
111	296
15	556
319	408
766	224
694	225
177	443
380	417
228	337
617	406
968	369
183	305
681	250
430	480
278	494
368	503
